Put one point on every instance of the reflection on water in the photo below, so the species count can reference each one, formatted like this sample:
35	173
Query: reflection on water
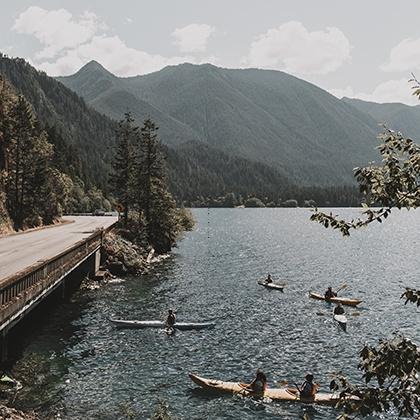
212	276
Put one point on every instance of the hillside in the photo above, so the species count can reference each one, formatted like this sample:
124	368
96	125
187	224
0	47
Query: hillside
397	116
84	141
81	135
265	116
212	173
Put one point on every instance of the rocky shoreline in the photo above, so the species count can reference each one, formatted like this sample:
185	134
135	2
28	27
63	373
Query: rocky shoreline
13	414
122	257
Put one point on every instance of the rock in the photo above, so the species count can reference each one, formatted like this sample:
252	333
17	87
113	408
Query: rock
117	268
123	256
7	413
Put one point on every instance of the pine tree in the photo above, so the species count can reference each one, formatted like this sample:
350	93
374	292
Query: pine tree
18	158
27	175
121	177
151	196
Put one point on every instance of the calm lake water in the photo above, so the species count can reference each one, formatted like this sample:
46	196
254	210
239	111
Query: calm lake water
96	370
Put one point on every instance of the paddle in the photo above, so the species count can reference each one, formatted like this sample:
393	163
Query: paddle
356	314
282	383
343	286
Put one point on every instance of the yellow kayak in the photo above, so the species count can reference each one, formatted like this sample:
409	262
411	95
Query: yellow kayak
278	394
343	301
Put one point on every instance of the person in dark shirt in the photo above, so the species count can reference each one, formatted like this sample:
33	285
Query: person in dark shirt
269	279
338	310
308	388
330	294
259	384
171	318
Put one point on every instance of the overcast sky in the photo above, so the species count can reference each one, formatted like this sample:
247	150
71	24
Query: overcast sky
358	48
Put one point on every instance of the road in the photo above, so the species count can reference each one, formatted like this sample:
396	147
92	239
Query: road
20	251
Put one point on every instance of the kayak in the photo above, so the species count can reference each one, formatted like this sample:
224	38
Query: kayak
278	394
342	320
273	286
121	323
343	301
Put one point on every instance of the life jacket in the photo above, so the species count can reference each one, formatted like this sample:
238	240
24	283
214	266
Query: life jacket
171	319
308	390
330	294
259	386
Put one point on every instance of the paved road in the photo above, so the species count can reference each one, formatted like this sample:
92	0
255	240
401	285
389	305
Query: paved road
18	252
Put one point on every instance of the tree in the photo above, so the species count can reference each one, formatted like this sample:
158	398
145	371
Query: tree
127	136
153	201
28	153
391	370
253	202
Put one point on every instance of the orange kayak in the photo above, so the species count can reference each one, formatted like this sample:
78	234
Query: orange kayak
277	394
343	301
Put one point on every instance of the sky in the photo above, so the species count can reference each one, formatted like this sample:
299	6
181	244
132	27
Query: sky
360	48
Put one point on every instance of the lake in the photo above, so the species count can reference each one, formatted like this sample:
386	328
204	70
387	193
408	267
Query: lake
99	372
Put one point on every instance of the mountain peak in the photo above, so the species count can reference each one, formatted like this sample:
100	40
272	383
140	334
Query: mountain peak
94	66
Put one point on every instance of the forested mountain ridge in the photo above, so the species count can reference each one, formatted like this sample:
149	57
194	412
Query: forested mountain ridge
397	116
84	143
73	125
261	115
110	95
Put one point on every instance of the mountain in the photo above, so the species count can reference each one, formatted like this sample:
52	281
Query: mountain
396	116
81	135
212	173
109	95
84	139
264	116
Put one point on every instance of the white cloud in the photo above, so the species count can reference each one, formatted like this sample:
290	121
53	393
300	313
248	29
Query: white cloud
192	38
390	91
404	57
69	43
292	48
57	29
113	54
343	92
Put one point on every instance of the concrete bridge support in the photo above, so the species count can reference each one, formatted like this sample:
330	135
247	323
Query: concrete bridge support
22	293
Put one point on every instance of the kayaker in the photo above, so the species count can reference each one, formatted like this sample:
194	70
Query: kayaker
330	294
338	310
308	388
269	279
171	318
259	384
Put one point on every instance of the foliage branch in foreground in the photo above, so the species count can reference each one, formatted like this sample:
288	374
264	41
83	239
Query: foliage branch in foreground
390	374
391	369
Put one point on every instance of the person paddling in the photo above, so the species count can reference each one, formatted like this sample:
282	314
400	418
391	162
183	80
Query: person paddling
330	294
170	319
269	279
259	384
338	310
308	388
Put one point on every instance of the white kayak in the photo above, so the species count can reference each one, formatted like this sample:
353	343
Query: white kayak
342	320
122	323
274	286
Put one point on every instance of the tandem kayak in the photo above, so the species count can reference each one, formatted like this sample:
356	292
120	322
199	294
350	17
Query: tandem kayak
343	301
278	394
274	286
121	323
342	320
